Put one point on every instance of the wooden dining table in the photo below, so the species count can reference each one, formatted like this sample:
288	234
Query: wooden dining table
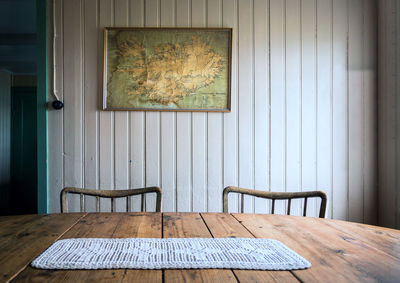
339	251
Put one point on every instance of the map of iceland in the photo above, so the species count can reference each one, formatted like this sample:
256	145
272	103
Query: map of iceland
167	69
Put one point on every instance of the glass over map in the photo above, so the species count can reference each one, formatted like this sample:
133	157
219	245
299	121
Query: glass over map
167	69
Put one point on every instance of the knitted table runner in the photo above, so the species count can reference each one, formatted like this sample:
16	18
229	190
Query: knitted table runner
182	253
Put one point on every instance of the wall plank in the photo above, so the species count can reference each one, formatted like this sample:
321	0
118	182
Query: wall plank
308	101
73	96
5	140
90	100
370	113
340	111
261	101
356	104
215	131
388	152
294	100
153	120
246	100
137	123
184	189
55	118
324	99
121	122
106	118
395	76
168	129
295	123
231	119
199	130
278	99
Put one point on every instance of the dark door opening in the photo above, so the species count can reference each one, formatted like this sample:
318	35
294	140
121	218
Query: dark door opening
23	194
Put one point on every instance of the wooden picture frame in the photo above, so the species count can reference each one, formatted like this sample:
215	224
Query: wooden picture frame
167	69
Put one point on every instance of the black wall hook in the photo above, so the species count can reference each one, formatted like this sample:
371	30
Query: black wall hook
57	104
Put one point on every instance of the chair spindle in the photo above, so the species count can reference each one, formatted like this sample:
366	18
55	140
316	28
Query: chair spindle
273	207
97	204
305	207
81	202
128	204
241	203
288	207
112	205
142	205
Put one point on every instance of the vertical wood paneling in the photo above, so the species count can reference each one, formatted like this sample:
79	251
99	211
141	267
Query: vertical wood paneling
370	112
168	129
199	130
90	99
308	100
73	96
215	131
121	122
278	98
5	139
137	122
183	201
261	101
246	99
340	111
385	177
387	163
55	118
387	102
324	99
231	119
293	114
356	104
106	131
302	96
153	121
397	85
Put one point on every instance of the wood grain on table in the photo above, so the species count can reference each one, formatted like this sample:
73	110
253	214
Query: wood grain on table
338	251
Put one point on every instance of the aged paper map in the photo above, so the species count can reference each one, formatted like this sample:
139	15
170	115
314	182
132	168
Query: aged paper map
167	69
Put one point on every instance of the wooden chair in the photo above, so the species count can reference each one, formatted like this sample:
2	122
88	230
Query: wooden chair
277	196
112	194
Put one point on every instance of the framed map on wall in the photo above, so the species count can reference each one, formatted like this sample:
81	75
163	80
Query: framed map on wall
167	69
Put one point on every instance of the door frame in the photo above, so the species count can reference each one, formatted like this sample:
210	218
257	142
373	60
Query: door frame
42	119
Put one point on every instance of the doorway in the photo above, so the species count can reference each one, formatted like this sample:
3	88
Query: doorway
23	44
23	193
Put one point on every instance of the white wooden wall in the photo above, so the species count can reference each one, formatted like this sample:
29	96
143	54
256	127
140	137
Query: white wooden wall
303	107
5	138
389	115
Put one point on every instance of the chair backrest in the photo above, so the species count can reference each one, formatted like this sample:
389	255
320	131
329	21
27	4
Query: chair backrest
111	194
277	196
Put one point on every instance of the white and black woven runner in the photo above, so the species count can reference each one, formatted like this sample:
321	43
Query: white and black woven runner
183	253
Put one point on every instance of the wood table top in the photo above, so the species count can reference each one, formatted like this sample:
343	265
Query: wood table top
339	251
